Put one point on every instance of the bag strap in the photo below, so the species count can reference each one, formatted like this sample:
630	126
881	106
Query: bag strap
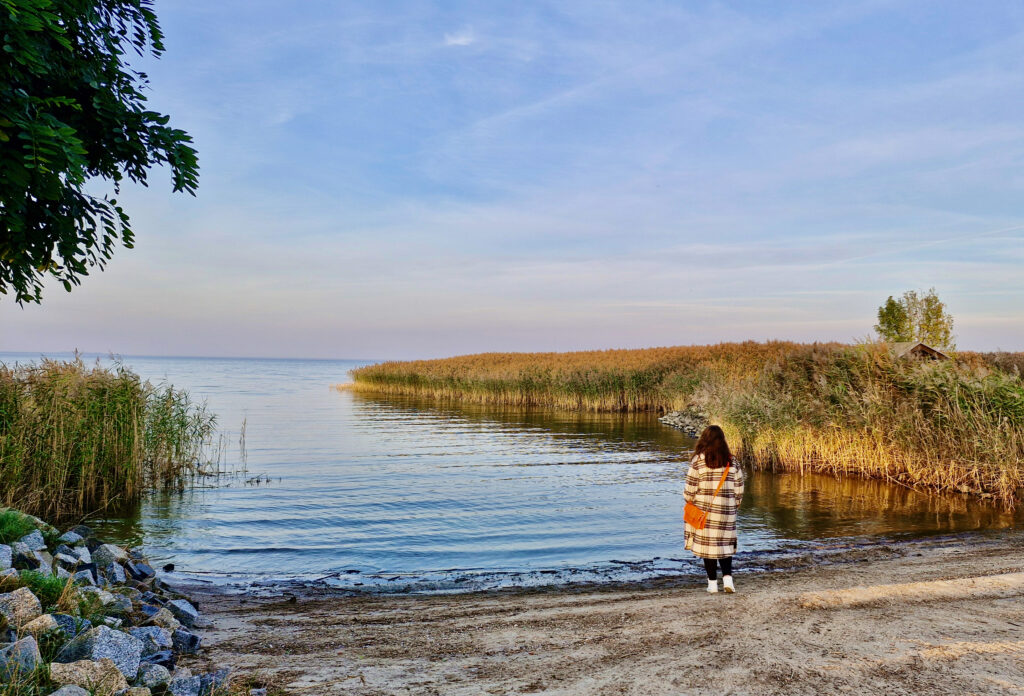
721	483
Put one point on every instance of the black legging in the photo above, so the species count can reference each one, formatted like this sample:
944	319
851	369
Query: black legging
709	566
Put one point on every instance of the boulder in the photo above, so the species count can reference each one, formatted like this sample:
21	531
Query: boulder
41	625
20	607
184	686
153	676
82	531
213	682
72	625
86	573
67	561
121	605
115	574
69	626
9	574
70	690
19	658
45	562
136	691
184	611
103	596
24	557
106	554
186	642
140	571
154	639
104	642
72	538
101	676
165	619
34	540
83	554
6	557
164	658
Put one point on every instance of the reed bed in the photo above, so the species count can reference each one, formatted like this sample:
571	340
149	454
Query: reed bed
831	408
77	438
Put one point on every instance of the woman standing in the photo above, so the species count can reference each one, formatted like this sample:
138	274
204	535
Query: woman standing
716	542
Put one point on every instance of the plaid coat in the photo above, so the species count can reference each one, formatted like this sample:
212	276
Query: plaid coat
718	538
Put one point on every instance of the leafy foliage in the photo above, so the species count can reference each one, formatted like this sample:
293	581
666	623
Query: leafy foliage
916	317
72	111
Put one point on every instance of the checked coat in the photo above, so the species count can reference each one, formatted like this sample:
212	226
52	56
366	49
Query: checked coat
718	538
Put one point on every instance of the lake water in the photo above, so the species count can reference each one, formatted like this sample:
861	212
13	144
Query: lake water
405	494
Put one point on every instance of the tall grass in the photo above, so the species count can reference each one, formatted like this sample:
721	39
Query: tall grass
76	438
832	408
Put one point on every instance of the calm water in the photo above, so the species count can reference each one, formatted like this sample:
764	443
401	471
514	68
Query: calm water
412	494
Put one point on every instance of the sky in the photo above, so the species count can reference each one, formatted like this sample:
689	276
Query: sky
414	179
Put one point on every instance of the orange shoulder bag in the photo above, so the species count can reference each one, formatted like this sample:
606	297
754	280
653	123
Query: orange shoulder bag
693	515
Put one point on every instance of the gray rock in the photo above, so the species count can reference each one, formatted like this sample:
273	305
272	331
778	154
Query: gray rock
34	540
41	625
107	554
184	686
154	639
83	554
115	574
185	641
20	607
6	557
153	676
66	561
258	691
70	690
45	562
100	677
121	604
690	421
72	625
84	576
212	682
184	611
19	658
10	573
72	538
124	650
62	573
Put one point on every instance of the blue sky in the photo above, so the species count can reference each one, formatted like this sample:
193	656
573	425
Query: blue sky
396	179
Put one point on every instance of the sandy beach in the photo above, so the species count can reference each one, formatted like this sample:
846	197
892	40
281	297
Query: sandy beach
938	616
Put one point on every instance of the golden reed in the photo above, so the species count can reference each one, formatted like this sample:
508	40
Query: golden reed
832	408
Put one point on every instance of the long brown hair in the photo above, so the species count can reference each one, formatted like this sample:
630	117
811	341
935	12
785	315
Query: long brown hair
713	446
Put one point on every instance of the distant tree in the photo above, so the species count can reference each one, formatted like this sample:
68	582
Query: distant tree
916	317
72	116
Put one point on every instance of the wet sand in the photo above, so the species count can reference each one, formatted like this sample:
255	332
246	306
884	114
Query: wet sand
880	620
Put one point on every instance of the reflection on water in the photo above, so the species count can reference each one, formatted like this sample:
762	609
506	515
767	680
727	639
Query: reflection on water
406	486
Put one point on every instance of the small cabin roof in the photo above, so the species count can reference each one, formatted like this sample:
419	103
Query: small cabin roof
905	348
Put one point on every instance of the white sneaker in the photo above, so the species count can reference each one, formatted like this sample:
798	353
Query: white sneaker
727	584
712	586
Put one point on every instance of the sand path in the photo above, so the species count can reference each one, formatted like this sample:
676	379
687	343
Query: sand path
885	622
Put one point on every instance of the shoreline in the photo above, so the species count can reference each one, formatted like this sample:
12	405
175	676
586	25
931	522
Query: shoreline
657	637
610	574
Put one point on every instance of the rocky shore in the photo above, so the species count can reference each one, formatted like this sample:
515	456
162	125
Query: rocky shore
79	617
690	421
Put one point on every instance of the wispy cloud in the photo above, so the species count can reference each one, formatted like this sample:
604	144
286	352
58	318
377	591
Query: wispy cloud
463	37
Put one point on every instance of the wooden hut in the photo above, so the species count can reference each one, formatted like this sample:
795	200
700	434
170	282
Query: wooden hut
917	349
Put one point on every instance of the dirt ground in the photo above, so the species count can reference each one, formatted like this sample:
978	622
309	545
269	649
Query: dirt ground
878	622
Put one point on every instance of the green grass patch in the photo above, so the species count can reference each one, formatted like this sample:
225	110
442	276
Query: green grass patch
13	526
